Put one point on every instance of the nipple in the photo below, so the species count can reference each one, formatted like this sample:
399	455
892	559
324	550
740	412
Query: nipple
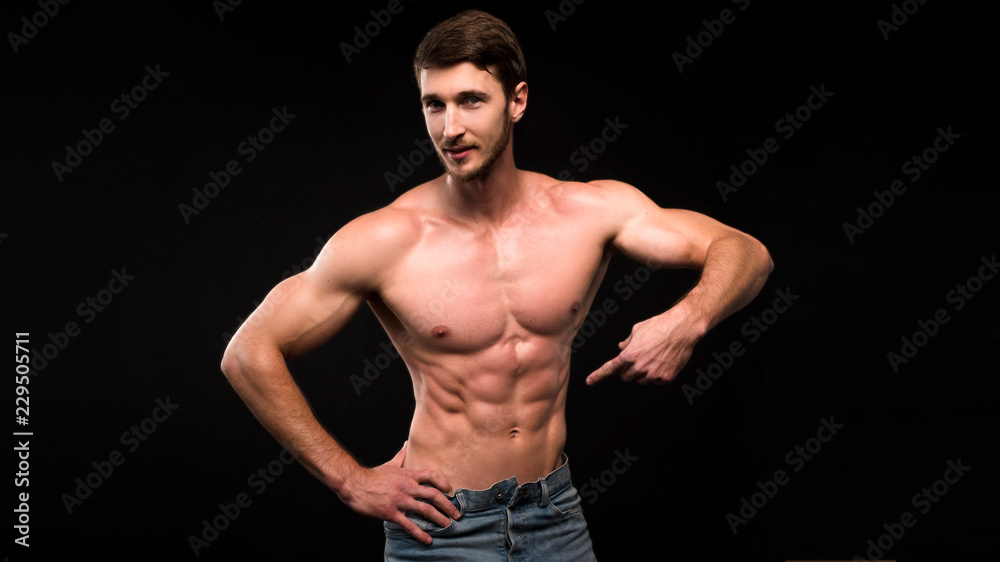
441	331
576	306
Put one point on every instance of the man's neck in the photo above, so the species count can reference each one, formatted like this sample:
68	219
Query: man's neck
491	198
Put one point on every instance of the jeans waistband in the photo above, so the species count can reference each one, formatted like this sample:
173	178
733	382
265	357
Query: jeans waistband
509	492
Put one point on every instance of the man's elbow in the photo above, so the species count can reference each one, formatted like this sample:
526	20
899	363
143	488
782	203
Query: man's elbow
248	357
762	258
235	358
765	258
756	256
230	363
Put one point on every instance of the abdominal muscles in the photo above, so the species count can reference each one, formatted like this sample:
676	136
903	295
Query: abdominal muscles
486	416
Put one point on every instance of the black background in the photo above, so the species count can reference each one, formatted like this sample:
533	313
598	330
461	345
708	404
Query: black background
164	334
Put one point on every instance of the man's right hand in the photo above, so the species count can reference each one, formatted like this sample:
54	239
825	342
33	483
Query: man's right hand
388	491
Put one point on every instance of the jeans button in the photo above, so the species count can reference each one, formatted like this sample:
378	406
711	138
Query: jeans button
498	494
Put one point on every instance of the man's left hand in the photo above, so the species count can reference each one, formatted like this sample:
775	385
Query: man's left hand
655	351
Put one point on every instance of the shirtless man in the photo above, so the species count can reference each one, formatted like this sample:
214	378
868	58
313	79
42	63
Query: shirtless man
481	278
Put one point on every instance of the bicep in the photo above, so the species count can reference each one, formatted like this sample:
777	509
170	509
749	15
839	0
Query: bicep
301	313
668	238
305	310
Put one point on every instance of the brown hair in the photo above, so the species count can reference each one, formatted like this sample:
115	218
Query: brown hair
477	37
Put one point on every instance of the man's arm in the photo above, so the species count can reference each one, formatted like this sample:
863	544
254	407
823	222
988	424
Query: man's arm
734	267
298	315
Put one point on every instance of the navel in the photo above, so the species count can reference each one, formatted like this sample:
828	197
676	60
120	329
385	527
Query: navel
441	331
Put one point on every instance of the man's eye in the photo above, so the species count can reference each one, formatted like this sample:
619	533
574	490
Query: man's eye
433	104
473	99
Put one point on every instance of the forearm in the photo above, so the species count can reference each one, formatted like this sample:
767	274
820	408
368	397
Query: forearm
735	269
261	377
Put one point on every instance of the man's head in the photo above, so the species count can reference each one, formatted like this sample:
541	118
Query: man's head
470	71
477	37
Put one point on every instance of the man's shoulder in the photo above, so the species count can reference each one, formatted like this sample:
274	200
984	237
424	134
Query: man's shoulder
387	230
392	226
360	252
612	189
602	187
615	194
577	195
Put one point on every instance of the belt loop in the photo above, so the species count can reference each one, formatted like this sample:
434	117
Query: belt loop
460	495
545	491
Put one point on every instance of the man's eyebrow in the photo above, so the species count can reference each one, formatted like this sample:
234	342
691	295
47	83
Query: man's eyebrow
461	95
477	93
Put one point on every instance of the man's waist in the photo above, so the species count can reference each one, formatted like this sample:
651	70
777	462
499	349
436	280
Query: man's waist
477	465
510	491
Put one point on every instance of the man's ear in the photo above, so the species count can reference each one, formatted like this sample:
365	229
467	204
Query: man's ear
519	102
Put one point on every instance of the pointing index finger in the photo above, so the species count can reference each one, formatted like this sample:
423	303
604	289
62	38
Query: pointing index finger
609	368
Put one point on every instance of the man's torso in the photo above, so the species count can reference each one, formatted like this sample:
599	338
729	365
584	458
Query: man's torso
484	317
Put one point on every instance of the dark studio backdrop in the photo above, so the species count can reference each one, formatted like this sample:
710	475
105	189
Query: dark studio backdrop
864	371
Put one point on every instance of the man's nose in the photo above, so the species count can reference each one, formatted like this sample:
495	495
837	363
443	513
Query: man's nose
453	126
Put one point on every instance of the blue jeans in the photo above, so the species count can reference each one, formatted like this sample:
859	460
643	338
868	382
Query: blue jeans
541	520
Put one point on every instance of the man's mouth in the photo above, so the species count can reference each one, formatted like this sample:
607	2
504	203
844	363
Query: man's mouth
458	152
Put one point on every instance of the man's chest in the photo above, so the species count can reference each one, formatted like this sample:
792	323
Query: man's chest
469	290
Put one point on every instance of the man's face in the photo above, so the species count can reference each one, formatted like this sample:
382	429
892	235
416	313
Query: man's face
467	118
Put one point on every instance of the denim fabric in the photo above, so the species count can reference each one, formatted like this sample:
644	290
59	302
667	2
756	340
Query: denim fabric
541	520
